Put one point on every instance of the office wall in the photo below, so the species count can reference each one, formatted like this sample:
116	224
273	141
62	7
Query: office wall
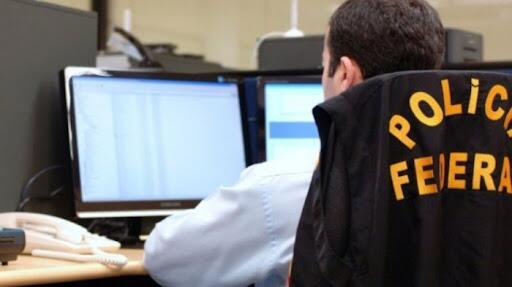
78	4
225	31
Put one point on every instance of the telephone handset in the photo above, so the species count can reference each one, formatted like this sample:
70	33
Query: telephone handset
50	236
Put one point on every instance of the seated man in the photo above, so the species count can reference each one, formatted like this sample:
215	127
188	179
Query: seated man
245	234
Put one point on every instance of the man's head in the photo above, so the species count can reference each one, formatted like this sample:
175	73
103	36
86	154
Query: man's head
367	38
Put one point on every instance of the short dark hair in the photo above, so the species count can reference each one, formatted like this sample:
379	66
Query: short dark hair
385	36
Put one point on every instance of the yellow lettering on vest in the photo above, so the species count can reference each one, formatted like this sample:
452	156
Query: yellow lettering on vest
398	180
455	169
483	167
492	114
441	171
474	95
505	182
507	121
400	127
449	108
414	103
423	174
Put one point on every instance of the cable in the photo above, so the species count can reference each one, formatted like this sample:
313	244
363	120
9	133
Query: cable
145	57
25	196
98	255
109	258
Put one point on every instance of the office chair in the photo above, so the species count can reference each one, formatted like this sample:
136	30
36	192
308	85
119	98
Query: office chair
414	184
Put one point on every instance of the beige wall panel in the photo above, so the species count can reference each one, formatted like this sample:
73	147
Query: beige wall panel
223	31
226	31
157	21
78	4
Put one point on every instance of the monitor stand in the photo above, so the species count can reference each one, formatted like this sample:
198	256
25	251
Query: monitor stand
126	230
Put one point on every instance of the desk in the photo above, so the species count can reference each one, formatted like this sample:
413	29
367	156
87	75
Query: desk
28	270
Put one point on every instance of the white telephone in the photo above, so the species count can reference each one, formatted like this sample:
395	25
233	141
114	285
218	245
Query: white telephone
49	236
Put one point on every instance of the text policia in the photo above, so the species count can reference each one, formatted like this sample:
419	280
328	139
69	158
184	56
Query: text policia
451	166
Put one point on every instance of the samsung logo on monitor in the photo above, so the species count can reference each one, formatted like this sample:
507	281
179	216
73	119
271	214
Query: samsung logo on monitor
170	204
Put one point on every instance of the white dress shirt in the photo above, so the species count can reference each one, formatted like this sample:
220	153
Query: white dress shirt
239	235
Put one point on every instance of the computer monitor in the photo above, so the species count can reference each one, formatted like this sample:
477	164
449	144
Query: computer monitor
287	126
151	144
248	81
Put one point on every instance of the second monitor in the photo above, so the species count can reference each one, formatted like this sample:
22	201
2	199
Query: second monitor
287	125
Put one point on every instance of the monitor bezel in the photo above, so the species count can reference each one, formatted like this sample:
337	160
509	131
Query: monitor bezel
131	208
261	83
243	76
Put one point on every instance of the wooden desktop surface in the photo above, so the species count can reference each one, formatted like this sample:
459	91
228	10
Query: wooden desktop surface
28	270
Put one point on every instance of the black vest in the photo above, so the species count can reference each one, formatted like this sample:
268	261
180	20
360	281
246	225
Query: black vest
414	184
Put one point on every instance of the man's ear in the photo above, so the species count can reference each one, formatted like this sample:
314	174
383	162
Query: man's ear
349	73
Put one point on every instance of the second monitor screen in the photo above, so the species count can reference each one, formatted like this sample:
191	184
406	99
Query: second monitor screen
290	130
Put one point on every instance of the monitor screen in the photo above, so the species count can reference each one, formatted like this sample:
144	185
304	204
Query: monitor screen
288	124
146	146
